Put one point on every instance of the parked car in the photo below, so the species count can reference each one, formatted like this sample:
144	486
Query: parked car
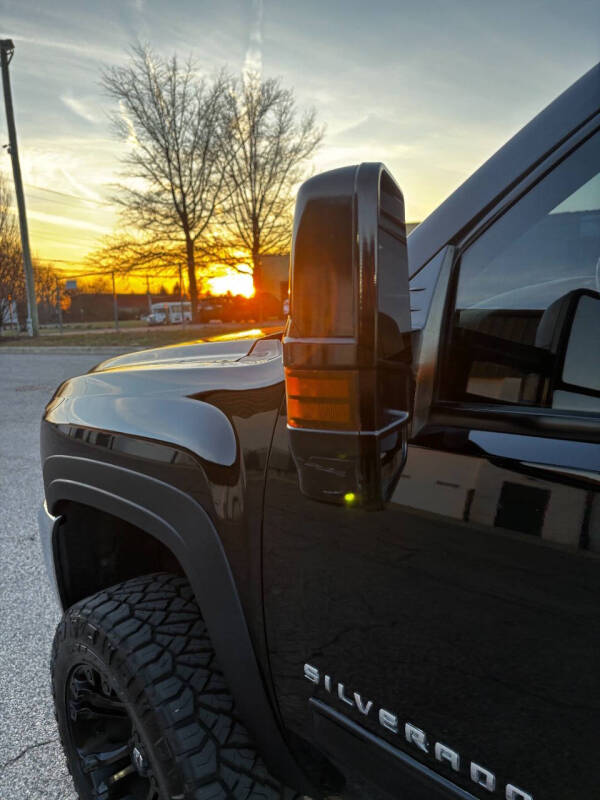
210	309
360	557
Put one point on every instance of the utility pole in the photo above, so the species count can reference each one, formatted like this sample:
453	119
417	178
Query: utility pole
181	298
59	305
7	49
115	303
149	295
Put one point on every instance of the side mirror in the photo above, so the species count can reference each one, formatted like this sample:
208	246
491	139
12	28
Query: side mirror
346	349
569	329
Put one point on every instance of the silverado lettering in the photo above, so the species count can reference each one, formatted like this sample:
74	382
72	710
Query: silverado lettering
415	736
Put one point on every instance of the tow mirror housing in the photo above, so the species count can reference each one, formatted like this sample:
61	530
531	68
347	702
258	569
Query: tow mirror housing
346	348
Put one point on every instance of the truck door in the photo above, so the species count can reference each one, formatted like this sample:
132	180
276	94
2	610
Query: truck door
450	643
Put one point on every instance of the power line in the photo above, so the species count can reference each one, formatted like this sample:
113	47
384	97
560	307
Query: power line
72	196
56	201
59	237
162	272
135	271
58	261
75	241
88	274
93	235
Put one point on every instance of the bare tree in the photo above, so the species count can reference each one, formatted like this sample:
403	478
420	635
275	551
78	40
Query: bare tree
173	123
271	144
12	280
45	281
126	252
12	276
94	285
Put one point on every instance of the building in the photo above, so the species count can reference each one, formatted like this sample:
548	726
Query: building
275	275
99	306
8	314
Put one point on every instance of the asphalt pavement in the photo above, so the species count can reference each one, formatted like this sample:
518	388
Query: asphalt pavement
32	766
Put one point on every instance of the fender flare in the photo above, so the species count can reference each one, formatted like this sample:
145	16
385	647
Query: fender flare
184	527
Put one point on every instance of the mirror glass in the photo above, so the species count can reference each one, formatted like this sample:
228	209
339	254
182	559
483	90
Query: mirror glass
323	296
582	359
580	380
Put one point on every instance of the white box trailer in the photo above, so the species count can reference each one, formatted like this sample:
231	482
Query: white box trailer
169	313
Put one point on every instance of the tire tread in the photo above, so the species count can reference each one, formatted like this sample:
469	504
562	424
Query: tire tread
152	635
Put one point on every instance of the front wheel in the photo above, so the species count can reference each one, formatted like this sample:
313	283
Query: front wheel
142	708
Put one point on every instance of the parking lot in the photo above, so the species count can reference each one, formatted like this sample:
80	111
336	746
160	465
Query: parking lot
31	762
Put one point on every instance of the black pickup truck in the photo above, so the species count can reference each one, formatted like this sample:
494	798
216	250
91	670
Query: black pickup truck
360	557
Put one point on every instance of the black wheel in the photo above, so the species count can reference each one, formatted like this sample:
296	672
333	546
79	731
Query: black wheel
142	708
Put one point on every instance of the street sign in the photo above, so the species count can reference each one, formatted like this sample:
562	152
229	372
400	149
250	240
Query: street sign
71	285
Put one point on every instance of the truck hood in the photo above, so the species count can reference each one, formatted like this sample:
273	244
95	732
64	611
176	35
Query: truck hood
187	395
212	351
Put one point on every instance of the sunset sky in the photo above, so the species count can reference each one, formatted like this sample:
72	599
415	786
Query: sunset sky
431	88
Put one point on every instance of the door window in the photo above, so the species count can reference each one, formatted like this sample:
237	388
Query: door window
526	322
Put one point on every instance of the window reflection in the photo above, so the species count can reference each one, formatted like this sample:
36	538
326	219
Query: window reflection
525	327
481	493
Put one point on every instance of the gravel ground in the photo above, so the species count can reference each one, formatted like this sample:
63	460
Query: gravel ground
31	761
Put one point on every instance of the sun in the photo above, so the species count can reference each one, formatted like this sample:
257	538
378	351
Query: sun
231	281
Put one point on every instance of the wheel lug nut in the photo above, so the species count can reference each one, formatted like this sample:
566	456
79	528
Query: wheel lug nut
139	762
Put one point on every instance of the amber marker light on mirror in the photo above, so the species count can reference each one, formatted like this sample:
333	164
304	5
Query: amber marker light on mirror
322	399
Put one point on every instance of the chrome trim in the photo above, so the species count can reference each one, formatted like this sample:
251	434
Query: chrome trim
586	474
47	525
509	167
400	417
364	735
575	139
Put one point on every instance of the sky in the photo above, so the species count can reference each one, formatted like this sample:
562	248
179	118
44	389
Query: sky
432	87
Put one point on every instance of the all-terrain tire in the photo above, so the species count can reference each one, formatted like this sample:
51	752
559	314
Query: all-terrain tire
146	637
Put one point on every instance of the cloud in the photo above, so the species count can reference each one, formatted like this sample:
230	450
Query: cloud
82	188
132	139
80	165
372	128
87	50
253	59
69	222
79	108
